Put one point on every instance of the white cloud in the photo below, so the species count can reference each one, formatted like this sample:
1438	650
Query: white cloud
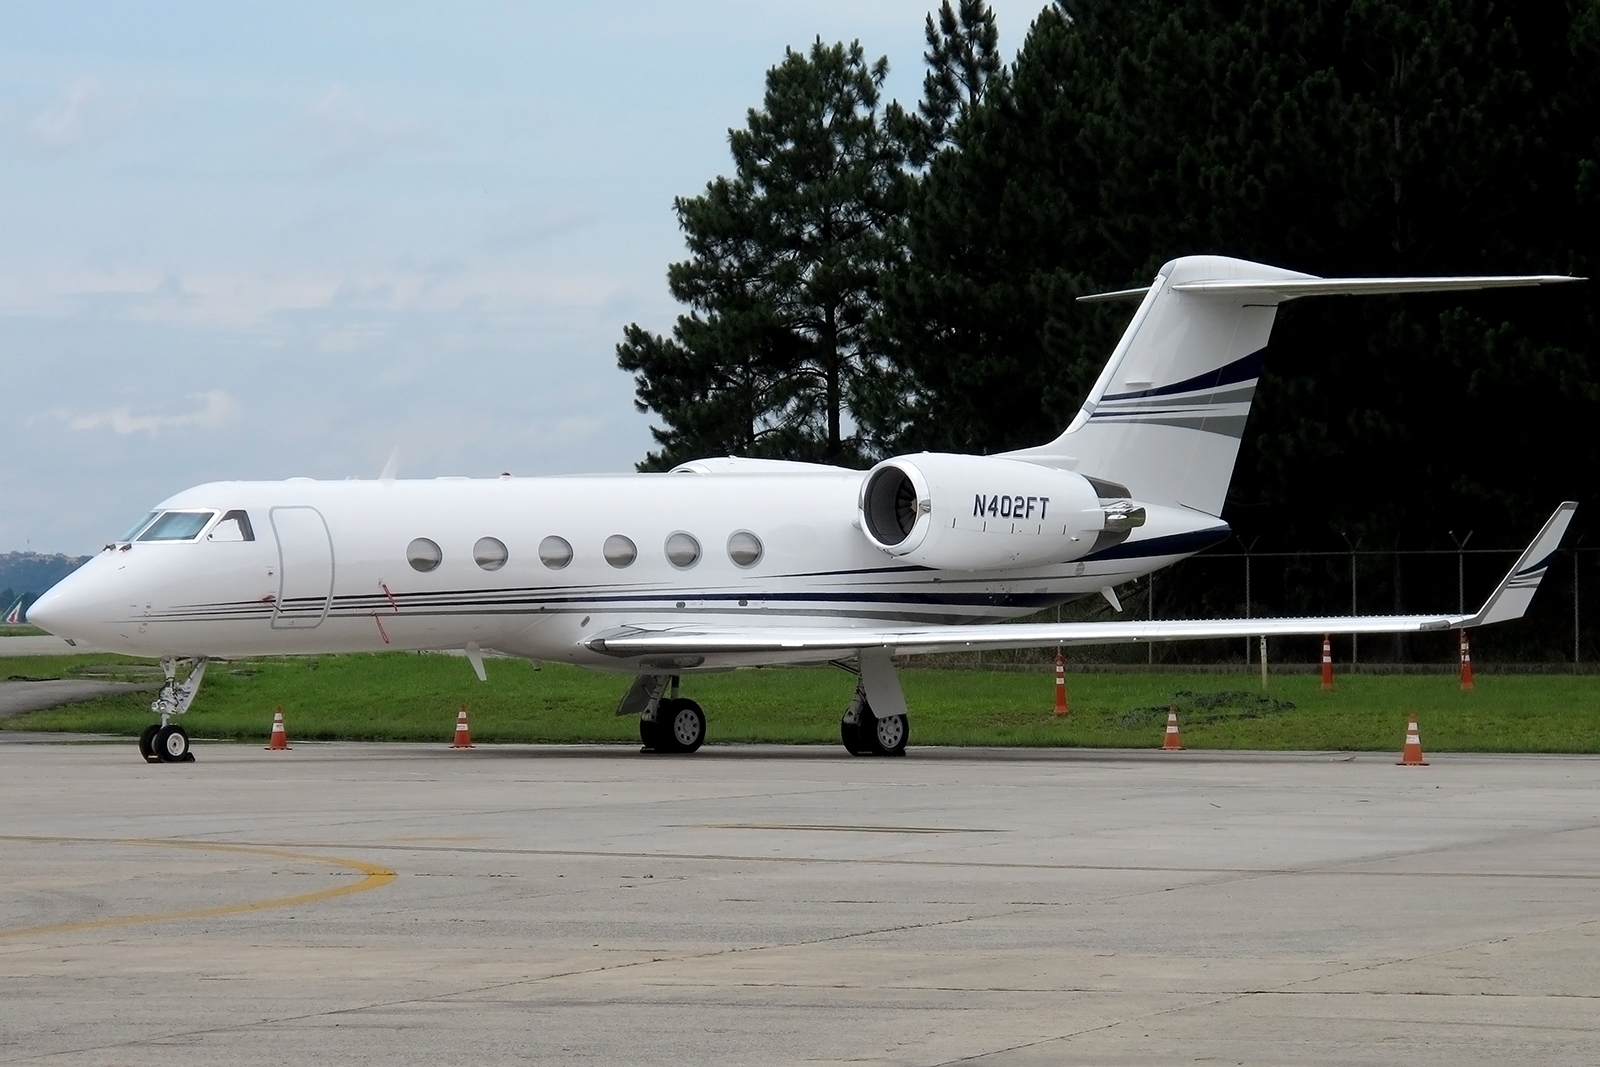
82	114
513	230
240	297
218	410
341	131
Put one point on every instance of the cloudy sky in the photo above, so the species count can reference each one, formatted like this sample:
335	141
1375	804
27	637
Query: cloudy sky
261	241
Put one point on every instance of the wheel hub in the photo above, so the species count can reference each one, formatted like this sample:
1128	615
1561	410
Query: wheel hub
891	731
684	727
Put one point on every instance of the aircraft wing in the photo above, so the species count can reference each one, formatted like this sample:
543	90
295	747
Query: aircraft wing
1509	600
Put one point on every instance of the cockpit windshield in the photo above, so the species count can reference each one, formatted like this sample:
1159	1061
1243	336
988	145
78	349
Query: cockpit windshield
133	531
177	526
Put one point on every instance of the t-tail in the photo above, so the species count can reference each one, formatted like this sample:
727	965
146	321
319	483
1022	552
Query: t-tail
1166	415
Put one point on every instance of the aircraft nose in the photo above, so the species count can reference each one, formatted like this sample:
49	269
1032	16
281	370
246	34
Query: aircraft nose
75	606
54	611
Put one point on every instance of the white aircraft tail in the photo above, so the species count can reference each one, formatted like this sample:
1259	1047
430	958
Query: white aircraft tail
1167	413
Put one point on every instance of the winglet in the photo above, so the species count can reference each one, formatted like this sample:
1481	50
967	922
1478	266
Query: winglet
1512	596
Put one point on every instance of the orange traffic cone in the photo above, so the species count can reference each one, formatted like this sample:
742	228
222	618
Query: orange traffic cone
1466	663
1061	686
1411	756
1327	661
1172	743
463	735
280	736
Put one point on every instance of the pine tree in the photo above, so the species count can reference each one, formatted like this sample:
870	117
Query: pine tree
776	356
1351	137
992	262
963	56
1333	136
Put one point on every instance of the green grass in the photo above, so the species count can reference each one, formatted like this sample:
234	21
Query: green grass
24	630
406	697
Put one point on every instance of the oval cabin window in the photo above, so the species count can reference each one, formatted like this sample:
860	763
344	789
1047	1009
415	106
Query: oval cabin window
424	555
620	551
555	552
490	553
744	548
683	551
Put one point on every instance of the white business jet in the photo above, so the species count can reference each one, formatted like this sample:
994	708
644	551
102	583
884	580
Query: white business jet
731	562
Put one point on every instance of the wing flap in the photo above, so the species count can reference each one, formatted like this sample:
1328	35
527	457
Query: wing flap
636	641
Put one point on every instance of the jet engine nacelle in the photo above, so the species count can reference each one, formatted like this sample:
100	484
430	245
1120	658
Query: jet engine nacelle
973	513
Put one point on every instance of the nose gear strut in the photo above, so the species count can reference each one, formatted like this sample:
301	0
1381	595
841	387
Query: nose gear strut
169	743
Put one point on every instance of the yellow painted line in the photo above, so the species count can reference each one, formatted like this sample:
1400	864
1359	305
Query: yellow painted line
375	876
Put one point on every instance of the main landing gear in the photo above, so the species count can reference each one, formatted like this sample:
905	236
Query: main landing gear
866	734
668	723
166	742
875	724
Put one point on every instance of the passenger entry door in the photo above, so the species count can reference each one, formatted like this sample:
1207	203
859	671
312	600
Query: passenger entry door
305	568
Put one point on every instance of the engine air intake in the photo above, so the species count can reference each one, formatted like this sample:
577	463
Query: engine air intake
891	505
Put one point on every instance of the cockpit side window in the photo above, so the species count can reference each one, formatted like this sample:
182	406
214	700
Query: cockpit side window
177	526
234	526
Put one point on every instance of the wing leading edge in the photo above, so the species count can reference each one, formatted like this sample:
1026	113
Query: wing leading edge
1509	600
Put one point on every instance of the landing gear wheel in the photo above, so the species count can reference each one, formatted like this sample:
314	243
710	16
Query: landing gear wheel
172	745
650	731
854	743
680	725
886	736
147	743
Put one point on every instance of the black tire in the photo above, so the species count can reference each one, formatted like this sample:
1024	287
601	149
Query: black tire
648	732
682	726
850	734
147	743
172	745
887	736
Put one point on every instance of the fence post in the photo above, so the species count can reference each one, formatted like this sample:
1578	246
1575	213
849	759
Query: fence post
1461	571
1247	615
1353	546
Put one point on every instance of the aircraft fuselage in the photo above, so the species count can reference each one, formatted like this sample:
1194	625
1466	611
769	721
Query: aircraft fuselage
323	566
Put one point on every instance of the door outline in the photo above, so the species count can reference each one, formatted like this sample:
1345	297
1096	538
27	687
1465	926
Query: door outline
280	621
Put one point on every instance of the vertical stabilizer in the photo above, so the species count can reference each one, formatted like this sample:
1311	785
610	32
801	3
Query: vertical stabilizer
1167	413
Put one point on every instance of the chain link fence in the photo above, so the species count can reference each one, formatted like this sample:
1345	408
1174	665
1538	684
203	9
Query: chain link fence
1236	583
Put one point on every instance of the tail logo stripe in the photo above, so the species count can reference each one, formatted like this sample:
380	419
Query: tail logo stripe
1243	369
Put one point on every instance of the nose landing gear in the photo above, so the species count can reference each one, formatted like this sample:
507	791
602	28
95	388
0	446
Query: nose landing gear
165	744
168	743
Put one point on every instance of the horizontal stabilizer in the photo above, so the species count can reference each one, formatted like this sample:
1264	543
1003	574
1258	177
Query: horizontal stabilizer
1288	289
1509	600
1120	294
